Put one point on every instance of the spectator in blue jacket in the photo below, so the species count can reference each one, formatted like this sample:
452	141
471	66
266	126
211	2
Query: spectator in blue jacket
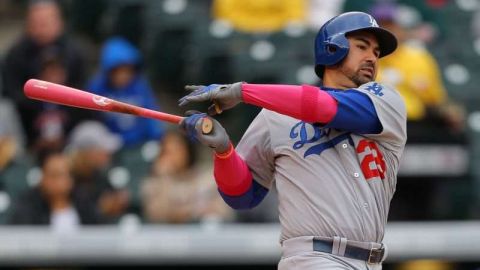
120	77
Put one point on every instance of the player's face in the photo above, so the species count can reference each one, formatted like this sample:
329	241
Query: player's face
360	65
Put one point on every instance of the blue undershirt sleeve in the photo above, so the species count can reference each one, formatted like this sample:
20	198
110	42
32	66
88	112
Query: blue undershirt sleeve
356	113
251	198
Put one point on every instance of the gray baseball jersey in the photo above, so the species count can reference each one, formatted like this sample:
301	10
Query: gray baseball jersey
330	182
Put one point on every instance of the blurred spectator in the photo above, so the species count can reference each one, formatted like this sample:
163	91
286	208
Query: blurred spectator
259	16
120	78
44	34
50	123
10	124
8	152
415	73
12	165
178	189
7	148
51	201
91	146
432	117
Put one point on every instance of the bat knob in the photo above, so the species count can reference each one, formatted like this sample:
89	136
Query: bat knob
218	109
207	125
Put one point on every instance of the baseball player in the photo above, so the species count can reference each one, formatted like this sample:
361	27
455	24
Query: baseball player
333	152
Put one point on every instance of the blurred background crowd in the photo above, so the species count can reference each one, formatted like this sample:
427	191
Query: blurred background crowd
67	167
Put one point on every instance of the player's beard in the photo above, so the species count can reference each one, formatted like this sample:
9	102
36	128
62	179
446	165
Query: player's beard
356	76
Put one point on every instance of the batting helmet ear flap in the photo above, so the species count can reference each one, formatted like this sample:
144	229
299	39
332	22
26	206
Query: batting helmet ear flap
332	52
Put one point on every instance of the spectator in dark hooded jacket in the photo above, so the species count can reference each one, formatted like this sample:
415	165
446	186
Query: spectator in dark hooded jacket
44	36
120	78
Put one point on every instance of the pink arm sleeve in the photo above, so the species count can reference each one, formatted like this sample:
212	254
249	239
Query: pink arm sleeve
307	103
231	173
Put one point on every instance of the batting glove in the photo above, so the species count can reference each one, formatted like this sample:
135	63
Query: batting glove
217	139
224	96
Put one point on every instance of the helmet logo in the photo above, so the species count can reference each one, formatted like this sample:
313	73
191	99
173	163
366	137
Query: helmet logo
372	21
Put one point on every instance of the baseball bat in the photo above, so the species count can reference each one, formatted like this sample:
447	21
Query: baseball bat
68	96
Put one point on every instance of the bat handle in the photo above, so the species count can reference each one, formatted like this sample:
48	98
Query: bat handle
218	109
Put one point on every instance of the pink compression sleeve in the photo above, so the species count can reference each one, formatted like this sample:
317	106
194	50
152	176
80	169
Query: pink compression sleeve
307	103
231	173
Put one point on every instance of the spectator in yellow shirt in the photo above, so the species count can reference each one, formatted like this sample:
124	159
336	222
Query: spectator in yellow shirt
414	72
259	15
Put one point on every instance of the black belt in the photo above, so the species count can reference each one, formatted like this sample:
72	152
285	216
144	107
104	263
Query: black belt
371	256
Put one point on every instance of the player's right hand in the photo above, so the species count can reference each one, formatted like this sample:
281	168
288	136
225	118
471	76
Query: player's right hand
224	96
217	139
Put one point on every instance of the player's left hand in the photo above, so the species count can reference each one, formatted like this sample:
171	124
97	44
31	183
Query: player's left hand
224	96
217	139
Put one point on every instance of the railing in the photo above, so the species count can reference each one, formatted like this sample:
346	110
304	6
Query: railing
133	244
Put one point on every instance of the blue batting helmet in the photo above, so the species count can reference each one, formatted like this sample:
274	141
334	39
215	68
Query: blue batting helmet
331	43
